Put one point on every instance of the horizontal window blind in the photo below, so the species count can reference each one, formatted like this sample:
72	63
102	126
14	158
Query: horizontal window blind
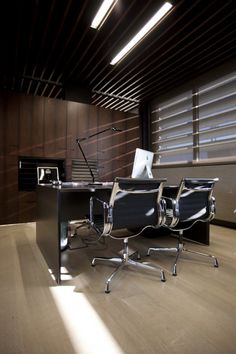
172	130
198	125
217	118
81	173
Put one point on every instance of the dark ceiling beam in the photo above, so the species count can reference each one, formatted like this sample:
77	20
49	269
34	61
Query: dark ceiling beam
168	66
49	49
149	66
55	43
124	106
115	96
121	68
45	81
68	42
180	77
31	31
42	43
170	71
93	74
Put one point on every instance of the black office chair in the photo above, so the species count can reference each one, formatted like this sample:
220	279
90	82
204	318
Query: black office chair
135	204
186	205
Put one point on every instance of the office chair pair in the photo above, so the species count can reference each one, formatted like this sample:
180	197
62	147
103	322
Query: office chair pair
138	204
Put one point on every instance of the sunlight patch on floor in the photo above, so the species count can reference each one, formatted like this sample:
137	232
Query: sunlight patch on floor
85	328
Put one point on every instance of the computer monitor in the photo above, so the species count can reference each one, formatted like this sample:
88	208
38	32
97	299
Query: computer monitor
142	166
47	174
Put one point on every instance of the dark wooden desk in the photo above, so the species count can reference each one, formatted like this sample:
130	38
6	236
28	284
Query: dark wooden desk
56	204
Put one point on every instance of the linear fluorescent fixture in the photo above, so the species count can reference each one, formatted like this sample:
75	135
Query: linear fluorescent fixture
147	28
102	13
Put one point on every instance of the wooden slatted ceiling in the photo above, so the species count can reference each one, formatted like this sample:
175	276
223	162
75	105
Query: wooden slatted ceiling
47	45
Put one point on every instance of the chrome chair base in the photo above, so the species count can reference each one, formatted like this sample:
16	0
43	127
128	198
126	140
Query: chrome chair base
83	242
72	234
126	260
179	249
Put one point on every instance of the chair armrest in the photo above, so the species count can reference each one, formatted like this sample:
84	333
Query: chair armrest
172	211
212	208
162	212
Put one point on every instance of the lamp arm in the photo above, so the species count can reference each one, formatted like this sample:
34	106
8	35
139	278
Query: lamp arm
78	140
85	159
100	132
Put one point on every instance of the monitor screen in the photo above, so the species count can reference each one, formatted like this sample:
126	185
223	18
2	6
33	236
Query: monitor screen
47	174
142	166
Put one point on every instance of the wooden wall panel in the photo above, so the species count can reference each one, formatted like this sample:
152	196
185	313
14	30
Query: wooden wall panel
11	188
82	130
2	124
92	128
37	130
11	122
2	190
2	158
133	139
27	206
61	128
48	128
55	123
72	129
104	145
119	146
25	125
72	134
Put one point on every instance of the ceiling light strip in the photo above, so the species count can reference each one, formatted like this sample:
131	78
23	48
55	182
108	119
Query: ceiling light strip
103	13
144	30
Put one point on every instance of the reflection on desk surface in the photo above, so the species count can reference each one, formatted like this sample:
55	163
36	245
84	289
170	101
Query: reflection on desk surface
85	184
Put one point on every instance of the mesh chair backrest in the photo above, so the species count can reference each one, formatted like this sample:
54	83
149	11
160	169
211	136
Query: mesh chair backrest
135	204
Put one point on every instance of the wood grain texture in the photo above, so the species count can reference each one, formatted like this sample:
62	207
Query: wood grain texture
194	312
41	127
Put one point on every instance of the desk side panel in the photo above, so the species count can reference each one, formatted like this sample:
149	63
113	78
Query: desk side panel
47	228
75	204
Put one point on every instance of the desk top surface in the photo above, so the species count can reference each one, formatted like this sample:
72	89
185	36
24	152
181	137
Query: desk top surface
77	186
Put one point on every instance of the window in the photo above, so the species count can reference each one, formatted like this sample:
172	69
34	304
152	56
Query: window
80	171
197	126
172	130
217	119
29	167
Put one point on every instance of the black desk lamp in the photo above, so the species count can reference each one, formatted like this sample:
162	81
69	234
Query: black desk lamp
78	140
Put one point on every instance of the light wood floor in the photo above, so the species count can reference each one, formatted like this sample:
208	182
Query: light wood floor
194	312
